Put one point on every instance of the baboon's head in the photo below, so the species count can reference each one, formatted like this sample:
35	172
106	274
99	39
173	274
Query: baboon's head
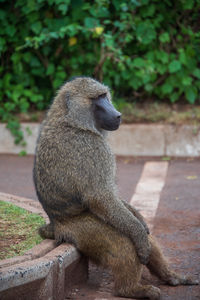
88	105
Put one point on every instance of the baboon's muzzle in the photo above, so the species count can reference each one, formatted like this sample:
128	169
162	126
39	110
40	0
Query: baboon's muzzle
106	115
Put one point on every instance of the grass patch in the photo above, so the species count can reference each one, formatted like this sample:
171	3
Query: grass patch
18	230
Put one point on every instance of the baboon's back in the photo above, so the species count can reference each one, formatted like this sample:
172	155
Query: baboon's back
67	161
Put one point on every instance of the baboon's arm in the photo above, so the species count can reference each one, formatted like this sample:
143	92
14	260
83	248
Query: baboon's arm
108	207
136	213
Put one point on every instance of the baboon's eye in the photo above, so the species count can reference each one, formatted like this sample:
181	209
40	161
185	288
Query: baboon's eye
102	95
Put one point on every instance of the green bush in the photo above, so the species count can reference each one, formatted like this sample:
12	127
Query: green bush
146	48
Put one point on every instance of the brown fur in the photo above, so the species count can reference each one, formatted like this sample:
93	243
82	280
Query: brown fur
74	176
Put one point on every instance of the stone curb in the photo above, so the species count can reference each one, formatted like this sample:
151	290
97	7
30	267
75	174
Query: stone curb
156	140
43	272
128	140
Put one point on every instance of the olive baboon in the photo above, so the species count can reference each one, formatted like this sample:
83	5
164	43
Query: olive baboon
74	175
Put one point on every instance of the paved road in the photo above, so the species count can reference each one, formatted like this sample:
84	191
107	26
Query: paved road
16	175
174	215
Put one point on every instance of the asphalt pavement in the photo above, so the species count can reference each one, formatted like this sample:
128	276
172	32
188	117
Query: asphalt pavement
176	222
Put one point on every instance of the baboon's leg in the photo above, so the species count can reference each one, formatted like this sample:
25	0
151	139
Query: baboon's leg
46	231
127	271
159	266
104	245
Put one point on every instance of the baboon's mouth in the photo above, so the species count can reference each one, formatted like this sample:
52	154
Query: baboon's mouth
111	126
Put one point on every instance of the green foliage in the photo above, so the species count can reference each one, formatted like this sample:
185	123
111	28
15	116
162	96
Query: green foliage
139	48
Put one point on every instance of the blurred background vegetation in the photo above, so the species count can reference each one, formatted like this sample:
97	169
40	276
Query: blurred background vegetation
147	49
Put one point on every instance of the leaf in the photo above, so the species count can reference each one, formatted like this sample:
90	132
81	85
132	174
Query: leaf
161	69
2	14
63	8
53	35
56	83
99	30
148	11
61	75
27	57
149	87
162	56
50	69
36	98
2	44
166	158
28	130
174	66
13	124
138	62
90	22
24	104
187	81
188	4
109	42
10	30
16	57
183	57
191	94
192	177
145	33
72	41
174	96
164	37
167	88
9	106
36	27
196	73
22	153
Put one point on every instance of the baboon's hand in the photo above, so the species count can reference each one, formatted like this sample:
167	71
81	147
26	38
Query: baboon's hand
138	215
143	250
142	221
46	231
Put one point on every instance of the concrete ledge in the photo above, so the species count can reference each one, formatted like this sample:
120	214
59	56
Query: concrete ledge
156	140
138	140
131	140
43	272
30	130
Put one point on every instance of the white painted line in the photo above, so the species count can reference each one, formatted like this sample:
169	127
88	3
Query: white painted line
147	193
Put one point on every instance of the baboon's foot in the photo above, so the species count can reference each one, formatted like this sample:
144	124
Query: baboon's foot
154	293
177	279
46	231
140	292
